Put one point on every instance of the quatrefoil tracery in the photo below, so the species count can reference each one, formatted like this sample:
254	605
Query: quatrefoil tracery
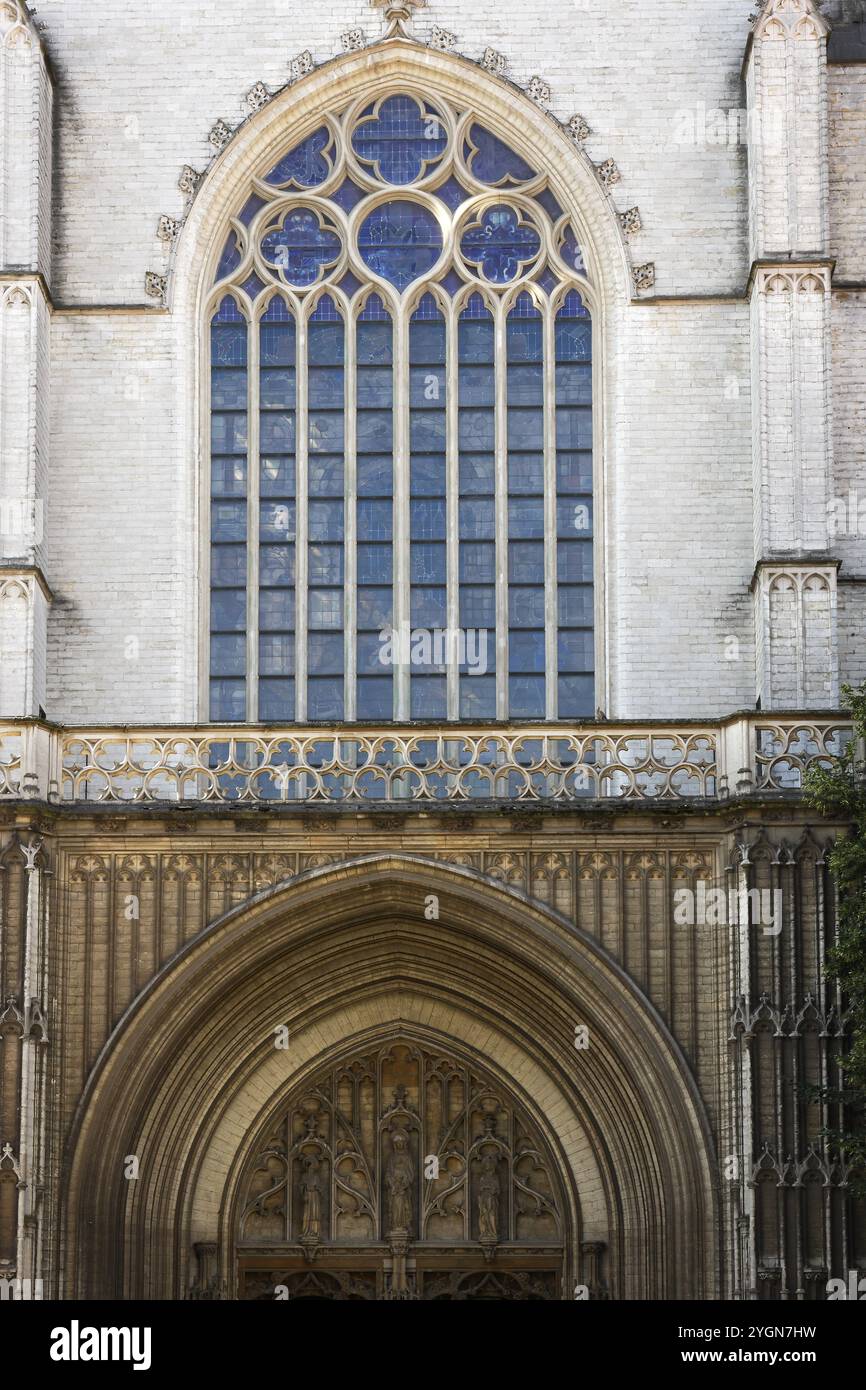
323	211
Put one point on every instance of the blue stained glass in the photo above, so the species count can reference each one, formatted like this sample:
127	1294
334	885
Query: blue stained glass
526	651
550	205
348	195
374	343
526	697
374	475
228	344
400	242
571	252
525	307
228	312
452	282
575	605
478	606
576	697
402	141
326	311
452	193
374	311
253	205
307	165
375	698
547	280
375	564
475	308
478	563
429	560
349	284
228	610
278	311
427	309
230	258
500	244
478	698
301	247
276	700
573	306
375	388
427	519
491	161
227	701
375	521
253	286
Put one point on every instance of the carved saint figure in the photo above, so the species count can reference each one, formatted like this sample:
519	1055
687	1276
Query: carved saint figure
399	1177
311	1191
488	1198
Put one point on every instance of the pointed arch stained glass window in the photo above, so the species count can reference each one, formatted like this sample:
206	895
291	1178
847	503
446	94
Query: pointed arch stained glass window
400	379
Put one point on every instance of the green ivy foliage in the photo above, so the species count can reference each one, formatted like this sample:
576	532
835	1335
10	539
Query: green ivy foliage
840	791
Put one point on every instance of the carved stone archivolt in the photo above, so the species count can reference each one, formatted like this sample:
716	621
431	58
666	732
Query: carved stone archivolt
399	1147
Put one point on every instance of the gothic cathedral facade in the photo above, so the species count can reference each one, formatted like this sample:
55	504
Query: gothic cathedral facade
406	885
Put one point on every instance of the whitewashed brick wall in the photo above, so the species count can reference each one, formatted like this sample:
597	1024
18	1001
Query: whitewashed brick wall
139	86
847	125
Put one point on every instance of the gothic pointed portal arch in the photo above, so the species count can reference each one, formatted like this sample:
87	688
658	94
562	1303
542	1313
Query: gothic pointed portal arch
342	964
409	1171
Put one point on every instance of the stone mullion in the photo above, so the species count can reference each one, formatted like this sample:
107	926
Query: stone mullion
501	511
401	544
452	494
302	426
350	523
253	527
550	526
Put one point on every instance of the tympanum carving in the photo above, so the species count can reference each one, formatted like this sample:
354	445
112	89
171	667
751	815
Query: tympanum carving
396	1146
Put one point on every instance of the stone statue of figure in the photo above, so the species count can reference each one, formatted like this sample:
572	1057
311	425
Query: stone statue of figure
399	1178
489	1189
311	1191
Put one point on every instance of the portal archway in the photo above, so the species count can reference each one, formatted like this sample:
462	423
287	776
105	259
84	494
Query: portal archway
344	958
401	1171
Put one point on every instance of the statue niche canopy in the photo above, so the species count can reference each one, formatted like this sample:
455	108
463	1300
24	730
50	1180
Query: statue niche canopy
401	1172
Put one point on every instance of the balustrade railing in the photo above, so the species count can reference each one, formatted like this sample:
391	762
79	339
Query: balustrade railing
389	763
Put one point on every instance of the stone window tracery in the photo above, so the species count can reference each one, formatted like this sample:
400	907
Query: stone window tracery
400	394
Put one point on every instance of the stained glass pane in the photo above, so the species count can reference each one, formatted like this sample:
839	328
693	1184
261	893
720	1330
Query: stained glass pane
500	244
428	508
375	509
305	166
325	512
228	616
571	252
303	247
230	258
476	524
278	510
402	141
526	508
400	242
574	521
491	161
